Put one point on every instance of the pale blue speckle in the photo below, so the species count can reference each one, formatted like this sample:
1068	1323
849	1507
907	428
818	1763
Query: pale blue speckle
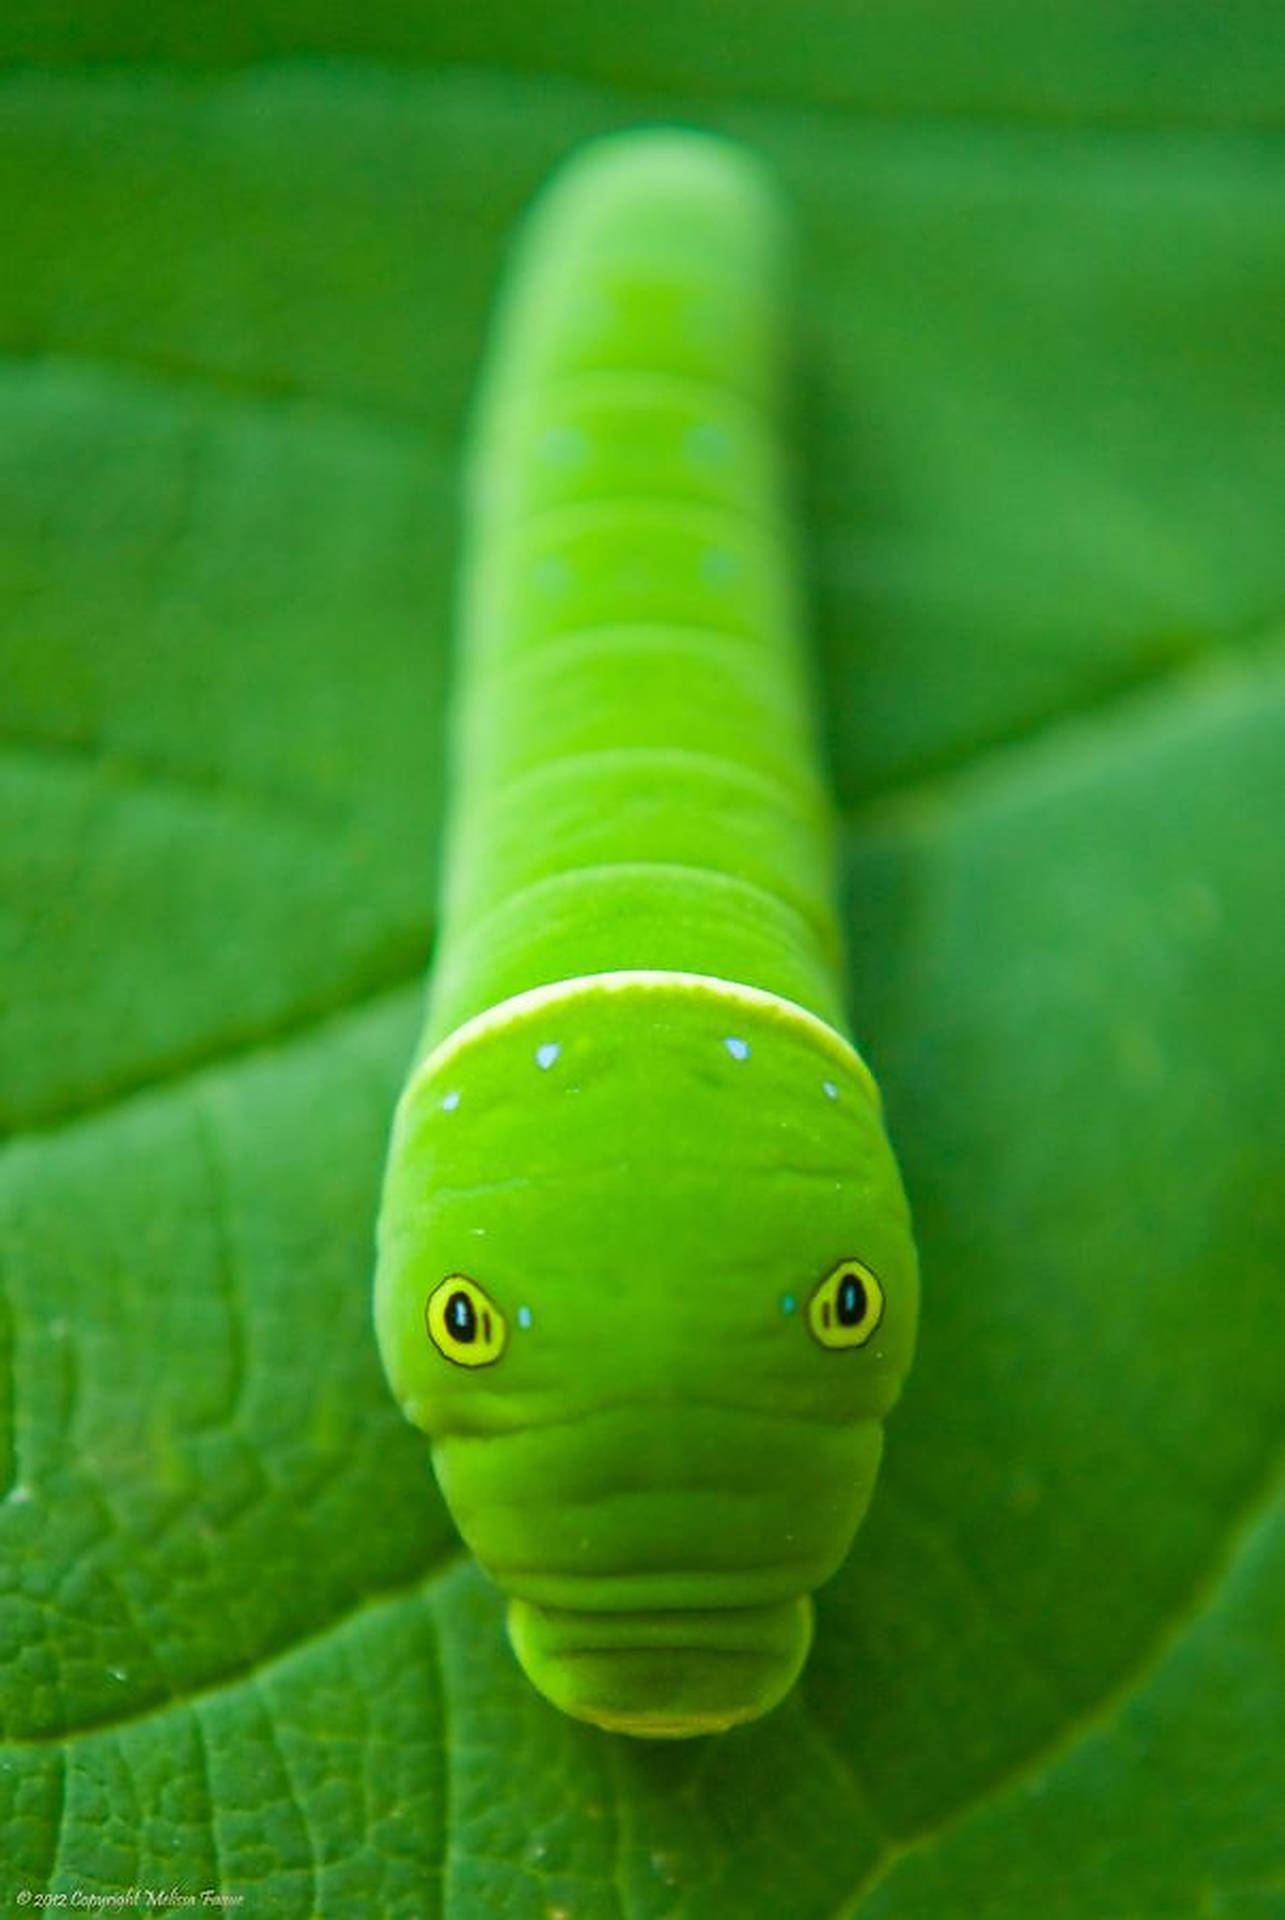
564	446
788	1303
830	1090
739	1049
547	1053
552	574
450	1100
524	1316
707	444
718	567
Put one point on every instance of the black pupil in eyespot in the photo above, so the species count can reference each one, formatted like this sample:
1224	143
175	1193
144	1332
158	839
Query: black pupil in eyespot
461	1320
851	1303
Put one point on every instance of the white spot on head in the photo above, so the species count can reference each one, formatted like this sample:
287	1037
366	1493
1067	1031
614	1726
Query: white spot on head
523	1316
706	444
450	1100
738	1048
563	446
546	1053
552	574
829	1089
719	567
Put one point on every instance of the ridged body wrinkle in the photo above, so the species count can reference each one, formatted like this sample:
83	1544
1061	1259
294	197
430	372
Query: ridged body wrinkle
645	1267
633	722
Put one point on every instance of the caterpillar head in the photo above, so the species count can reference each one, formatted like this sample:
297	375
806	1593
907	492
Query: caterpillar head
646	1278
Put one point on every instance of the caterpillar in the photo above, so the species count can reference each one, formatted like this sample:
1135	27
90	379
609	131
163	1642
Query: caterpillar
645	1268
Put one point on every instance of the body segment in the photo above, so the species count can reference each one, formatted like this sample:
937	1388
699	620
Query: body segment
645	1269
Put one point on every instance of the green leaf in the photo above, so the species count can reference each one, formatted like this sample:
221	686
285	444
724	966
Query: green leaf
248	255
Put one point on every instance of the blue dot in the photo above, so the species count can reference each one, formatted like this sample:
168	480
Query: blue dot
739	1049
707	443
450	1100
830	1090
788	1303
564	446
719	567
552	574
546	1054
524	1316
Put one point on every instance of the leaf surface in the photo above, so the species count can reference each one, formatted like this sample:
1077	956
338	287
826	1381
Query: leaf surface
249	254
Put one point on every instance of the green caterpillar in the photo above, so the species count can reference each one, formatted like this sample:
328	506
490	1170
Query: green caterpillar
645	1271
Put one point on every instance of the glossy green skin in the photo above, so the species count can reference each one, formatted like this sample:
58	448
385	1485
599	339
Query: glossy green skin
646	1173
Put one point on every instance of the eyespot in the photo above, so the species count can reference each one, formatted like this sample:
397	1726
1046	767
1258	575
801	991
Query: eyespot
464	1323
846	1307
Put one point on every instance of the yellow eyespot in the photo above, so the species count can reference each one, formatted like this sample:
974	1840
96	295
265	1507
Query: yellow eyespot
464	1323
846	1307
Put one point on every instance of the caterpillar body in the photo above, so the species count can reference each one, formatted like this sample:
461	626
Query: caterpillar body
645	1268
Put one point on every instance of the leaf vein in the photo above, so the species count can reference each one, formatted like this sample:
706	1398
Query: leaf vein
1201	1592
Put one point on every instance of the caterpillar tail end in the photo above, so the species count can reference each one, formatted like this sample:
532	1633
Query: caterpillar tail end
663	1675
